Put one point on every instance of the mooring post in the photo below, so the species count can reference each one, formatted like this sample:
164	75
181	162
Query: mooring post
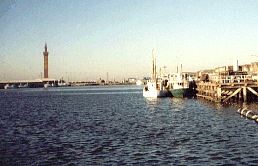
244	94
219	93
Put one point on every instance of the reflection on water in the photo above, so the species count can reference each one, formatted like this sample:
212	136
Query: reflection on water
152	103
117	126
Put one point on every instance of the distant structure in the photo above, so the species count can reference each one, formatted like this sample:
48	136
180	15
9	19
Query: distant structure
235	65
45	54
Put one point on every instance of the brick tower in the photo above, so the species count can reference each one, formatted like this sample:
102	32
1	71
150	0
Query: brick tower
45	54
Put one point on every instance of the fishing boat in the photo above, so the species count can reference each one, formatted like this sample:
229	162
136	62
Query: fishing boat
182	85
155	87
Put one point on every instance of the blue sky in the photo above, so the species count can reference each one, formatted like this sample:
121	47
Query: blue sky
87	39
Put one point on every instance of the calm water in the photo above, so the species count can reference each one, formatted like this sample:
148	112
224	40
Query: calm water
117	126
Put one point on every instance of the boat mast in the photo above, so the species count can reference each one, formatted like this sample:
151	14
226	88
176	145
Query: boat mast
154	70
153	65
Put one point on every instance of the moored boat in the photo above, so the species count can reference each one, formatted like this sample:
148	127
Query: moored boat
155	87
46	85
182	85
23	85
7	86
61	83
138	82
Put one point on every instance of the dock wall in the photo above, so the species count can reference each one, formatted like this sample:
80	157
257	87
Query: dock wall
228	92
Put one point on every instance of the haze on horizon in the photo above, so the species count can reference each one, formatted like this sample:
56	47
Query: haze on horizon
88	38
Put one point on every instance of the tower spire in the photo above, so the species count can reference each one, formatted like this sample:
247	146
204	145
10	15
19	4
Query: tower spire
45	54
45	47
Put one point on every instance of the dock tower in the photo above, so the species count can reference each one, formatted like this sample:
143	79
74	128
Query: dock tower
45	54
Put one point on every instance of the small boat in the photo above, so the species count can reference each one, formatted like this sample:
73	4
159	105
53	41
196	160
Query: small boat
23	85
7	86
181	85
62	83
46	85
138	82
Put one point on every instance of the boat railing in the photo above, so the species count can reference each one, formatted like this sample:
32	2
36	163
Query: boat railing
231	79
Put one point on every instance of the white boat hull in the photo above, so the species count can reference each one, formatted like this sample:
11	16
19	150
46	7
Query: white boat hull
7	86
155	93
23	86
46	85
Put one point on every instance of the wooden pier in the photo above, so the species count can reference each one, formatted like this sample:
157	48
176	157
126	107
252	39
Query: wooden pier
228	90
231	90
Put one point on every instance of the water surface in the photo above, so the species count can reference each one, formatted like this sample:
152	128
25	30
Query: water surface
108	125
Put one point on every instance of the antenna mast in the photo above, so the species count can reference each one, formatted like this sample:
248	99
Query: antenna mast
153	65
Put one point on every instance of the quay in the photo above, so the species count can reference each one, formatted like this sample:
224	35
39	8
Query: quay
236	88
37	83
231	89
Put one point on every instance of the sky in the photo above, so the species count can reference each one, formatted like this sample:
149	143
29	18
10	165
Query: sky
89	38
